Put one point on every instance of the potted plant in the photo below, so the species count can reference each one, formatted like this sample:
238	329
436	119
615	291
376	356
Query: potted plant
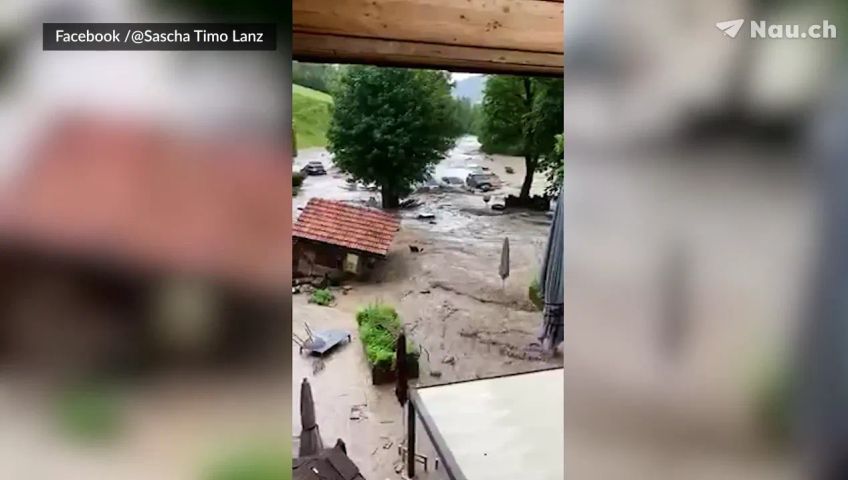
379	327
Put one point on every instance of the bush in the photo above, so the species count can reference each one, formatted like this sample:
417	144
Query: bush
535	294
322	297
90	412
774	402
379	327
251	462
297	179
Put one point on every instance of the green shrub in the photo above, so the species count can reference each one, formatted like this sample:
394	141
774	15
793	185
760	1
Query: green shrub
252	462
89	412
535	294
297	179
322	297
379	327
774	401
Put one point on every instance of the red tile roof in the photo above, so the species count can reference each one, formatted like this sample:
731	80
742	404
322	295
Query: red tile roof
131	193
338	223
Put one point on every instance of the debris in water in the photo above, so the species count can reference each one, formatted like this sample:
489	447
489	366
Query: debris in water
435	373
426	216
449	360
509	169
410	203
356	412
317	366
415	249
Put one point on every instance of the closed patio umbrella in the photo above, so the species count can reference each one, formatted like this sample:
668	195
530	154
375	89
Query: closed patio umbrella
551	281
503	271
310	439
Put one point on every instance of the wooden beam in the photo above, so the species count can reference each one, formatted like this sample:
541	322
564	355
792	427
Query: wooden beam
518	25
338	49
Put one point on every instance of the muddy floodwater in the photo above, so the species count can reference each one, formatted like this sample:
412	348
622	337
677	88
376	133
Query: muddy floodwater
468	322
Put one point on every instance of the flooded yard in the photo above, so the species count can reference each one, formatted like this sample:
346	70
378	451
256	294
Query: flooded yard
468	323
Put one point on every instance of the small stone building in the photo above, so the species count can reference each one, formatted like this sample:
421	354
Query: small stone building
124	242
336	239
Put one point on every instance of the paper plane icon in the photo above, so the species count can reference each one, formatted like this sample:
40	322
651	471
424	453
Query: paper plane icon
731	27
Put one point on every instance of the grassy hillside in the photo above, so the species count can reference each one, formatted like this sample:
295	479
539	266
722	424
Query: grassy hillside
311	115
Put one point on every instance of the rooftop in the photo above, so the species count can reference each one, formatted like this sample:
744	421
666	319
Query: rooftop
345	225
497	428
139	195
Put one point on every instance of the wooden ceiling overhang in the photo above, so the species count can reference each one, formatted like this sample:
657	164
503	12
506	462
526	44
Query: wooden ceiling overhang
482	36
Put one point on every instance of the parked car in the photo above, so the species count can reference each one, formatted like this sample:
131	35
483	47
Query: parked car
314	168
482	181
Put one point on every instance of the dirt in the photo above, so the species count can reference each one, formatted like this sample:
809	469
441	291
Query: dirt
468	322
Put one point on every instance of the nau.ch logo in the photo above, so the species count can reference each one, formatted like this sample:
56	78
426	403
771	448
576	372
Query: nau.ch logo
764	29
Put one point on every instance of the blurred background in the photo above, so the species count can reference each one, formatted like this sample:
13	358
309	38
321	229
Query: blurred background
144	250
704	233
144	229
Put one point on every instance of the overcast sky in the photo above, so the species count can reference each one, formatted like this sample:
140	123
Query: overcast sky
462	76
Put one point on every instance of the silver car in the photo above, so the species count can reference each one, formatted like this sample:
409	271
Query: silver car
482	181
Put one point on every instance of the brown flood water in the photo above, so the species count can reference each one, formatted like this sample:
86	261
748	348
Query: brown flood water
450	297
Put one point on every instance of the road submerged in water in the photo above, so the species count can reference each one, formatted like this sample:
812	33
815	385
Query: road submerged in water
468	322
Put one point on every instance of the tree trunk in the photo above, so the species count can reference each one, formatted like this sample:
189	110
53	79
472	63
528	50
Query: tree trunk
529	160
529	169
390	199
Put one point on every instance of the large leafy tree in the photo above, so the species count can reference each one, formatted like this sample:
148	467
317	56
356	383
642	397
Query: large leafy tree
316	76
390	126
467	116
553	164
522	116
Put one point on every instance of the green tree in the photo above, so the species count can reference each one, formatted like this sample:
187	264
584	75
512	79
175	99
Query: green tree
467	116
315	75
390	126
553	164
522	116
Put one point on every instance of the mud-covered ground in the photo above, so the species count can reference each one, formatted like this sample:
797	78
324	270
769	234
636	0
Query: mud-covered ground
468	322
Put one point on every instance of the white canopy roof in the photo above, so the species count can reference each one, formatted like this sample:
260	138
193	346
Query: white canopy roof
501	428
